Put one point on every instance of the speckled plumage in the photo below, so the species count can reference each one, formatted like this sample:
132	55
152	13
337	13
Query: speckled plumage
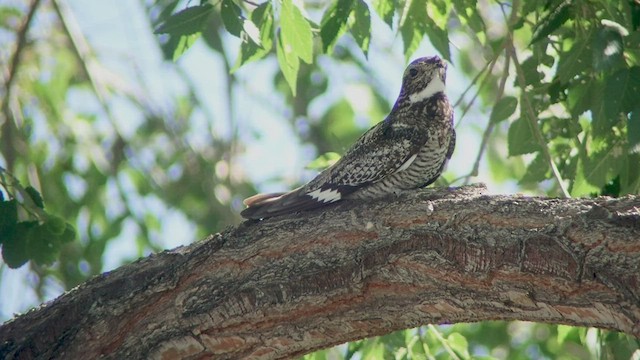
408	150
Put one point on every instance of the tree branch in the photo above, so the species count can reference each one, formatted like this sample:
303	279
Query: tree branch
7	125
287	286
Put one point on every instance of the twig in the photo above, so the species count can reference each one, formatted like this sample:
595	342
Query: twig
490	126
444	342
491	65
533	120
7	125
21	42
83	52
473	82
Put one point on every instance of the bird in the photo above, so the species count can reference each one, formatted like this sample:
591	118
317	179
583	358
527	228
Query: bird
408	150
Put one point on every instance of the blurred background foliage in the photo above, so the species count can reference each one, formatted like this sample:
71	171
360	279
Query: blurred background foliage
129	129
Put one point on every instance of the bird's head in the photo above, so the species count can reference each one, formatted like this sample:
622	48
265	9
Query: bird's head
423	78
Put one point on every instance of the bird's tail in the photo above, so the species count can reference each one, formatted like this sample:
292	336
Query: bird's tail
273	204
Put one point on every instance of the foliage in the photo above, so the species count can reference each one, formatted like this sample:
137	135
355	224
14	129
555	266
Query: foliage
40	237
557	82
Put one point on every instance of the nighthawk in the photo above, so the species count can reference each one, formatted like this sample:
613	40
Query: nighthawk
408	150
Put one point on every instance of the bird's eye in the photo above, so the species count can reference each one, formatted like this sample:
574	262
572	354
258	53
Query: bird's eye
413	72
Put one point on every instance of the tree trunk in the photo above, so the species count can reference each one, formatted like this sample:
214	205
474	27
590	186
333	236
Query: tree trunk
287	286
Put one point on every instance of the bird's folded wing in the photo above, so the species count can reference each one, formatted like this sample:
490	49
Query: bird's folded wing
370	161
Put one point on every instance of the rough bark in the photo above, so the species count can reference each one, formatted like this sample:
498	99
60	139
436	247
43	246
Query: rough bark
286	286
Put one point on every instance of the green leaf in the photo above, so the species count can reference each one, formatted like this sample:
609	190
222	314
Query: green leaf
608	49
68	235
633	130
55	225
439	39
323	161
289	64
184	43
563	332
459	344
537	171
532	76
604	162
41	246
262	16
35	196
186	22
580	186
503	109
580	95
334	22
8	218
252	31
577	60
521	138
386	10
552	21
361	28
412	26
554	127
467	11
232	17
296	32
622	93
14	248
415	347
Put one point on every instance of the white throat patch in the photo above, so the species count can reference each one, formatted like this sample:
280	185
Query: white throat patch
434	87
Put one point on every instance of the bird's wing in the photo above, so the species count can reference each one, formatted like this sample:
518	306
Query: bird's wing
381	151
378	153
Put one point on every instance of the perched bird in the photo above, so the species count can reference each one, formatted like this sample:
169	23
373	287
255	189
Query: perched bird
408	150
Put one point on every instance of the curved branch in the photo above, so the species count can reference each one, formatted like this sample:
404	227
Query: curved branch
287	286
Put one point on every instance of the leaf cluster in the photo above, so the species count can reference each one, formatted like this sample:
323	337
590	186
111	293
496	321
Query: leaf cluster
39	236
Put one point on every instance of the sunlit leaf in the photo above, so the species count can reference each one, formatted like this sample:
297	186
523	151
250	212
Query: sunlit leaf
184	44
412	26
289	64
468	11
386	10
334	22
295	32
262	16
252	31
459	344
563	332
361	28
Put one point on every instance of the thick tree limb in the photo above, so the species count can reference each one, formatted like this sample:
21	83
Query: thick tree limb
286	286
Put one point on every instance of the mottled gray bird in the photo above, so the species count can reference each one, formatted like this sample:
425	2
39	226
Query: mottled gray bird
408	150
